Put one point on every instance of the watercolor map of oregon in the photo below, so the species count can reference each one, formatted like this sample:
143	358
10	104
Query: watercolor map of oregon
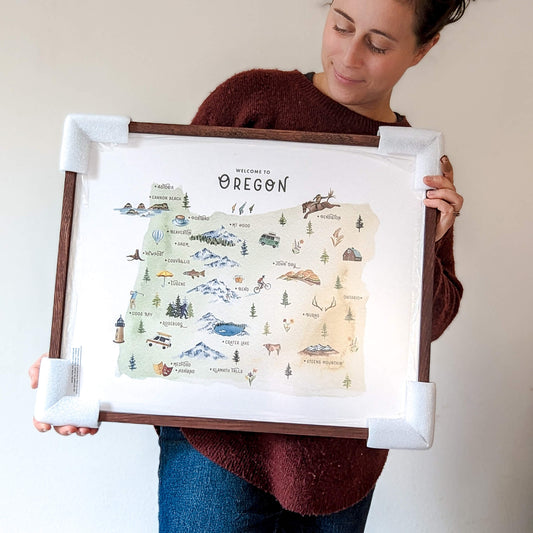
273	301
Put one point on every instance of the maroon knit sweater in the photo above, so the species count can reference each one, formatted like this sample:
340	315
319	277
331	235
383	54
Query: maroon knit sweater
308	475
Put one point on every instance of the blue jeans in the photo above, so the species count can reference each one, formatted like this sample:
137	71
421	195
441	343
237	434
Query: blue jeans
198	496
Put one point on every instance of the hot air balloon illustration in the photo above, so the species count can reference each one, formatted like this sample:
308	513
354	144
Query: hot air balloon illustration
157	235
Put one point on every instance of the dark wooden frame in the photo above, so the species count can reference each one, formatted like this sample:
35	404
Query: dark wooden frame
226	424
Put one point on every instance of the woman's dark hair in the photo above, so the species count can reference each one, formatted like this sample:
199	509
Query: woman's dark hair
432	15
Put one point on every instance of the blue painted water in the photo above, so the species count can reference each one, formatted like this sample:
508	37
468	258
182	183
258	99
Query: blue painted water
228	330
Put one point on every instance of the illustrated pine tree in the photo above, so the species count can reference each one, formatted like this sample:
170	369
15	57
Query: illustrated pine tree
282	220
190	311
347	382
253	312
266	329
156	302
186	203
288	371
349	315
359	224
141	329
285	299
146	276
170	310
244	248
132	364
309	229
236	357
338	284
324	257
324	331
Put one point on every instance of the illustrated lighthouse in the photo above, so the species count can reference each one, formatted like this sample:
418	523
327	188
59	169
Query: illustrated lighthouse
119	332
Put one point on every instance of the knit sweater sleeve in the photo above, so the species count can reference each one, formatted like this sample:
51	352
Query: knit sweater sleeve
447	289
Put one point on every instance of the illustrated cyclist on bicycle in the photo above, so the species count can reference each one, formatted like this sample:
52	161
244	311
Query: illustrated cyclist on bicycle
261	284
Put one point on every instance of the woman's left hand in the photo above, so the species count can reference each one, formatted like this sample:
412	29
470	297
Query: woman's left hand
443	197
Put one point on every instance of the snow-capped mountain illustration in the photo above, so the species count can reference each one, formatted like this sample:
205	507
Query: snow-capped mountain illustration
224	262
218	236
208	322
205	255
218	289
319	349
222	233
201	350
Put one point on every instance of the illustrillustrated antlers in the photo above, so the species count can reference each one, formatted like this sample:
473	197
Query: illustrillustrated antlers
315	303
332	304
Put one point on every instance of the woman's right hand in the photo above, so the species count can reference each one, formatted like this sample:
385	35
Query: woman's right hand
42	426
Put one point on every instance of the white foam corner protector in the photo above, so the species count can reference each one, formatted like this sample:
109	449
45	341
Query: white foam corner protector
80	130
426	145
415	430
54	406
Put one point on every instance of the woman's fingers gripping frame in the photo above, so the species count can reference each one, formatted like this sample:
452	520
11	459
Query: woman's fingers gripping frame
444	197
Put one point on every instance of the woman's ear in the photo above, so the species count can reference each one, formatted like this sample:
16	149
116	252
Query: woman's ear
424	49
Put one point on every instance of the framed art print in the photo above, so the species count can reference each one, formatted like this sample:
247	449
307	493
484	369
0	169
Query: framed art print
245	279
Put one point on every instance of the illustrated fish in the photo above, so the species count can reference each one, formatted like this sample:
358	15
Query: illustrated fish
194	273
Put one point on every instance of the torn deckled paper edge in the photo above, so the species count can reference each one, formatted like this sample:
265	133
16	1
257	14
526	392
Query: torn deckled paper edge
415	430
427	145
53	405
80	130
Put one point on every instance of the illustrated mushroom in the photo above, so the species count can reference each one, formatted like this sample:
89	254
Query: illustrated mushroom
164	274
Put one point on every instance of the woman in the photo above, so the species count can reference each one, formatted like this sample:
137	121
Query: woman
229	481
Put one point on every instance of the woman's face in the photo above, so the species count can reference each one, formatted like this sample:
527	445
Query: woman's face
367	46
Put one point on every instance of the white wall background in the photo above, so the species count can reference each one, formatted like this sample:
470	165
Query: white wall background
156	61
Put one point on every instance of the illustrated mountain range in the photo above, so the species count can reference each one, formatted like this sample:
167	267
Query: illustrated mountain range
319	349
205	255
224	262
307	276
201	350
218	236
218	289
208	322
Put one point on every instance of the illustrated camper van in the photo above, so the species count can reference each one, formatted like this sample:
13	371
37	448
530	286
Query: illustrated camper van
269	238
161	339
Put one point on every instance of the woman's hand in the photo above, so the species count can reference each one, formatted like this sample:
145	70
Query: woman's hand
42	426
443	197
